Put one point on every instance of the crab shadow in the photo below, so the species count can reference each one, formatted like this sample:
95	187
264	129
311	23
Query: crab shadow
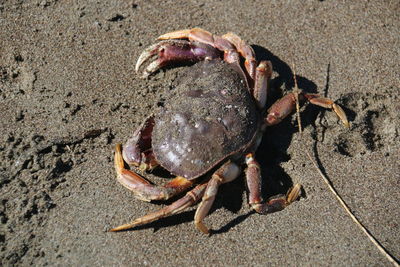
270	154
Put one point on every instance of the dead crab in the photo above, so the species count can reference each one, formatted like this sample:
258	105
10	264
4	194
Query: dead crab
212	122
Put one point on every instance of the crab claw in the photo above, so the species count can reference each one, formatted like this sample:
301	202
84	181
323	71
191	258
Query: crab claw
146	54
175	51
159	51
166	52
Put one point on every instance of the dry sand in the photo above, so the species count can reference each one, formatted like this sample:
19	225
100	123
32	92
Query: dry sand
68	93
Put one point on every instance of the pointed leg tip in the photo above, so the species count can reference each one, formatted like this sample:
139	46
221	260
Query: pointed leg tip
294	193
341	114
145	75
297	186
200	226
137	67
121	228
116	229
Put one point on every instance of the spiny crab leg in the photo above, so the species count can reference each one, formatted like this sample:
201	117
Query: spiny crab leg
181	204
273	204
287	104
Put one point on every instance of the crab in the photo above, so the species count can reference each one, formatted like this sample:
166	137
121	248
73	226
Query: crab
209	128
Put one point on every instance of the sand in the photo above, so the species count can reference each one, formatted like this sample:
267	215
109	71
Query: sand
69	93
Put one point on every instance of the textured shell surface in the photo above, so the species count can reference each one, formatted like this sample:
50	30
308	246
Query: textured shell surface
209	116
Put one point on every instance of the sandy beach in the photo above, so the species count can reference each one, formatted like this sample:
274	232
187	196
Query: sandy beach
69	93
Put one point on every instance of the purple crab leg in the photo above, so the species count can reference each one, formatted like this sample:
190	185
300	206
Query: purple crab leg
287	104
226	173
181	204
275	203
142	188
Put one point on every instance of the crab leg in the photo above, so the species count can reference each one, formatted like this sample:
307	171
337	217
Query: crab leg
275	203
328	103
181	204
245	50
284	106
142	188
226	173
261	82
174	51
202	36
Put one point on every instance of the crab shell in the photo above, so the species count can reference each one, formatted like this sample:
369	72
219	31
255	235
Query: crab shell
209	117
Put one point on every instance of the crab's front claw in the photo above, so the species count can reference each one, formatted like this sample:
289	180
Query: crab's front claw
146	54
174	51
155	50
